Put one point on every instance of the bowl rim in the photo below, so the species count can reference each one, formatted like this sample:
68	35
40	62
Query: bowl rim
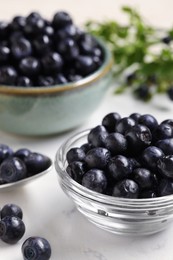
59	162
98	74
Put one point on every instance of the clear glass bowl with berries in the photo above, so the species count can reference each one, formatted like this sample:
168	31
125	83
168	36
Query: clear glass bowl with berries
53	75
120	173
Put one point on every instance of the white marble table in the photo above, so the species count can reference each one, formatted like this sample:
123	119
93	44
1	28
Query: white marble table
47	210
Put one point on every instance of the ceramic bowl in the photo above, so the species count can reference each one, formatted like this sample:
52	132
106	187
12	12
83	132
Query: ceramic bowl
54	109
117	215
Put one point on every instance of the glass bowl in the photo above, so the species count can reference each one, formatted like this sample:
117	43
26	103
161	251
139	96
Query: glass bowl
117	215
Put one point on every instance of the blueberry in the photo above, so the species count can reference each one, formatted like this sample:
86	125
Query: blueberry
68	31
119	167
36	163
147	194
12	229
36	248
18	23
167	39
126	189
163	131
168	122
15	36
48	30
165	187
68	48
143	92
12	169
11	210
116	143
97	158
4	54
76	170
52	62
60	79
138	138
135	116
29	66
4	30
75	154
22	153
149	121
95	180
61	19
97	136
130	78
110	121
150	157
166	145
45	81
8	75
84	65
24	81
34	24
5	152
134	162
165	166
42	44
21	48
74	78
124	125
86	44
143	177
86	147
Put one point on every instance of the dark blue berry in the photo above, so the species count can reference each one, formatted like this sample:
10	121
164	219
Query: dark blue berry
48	30
110	121
21	48
18	23
69	31
138	138
119	167
166	145
60	79
165	166
12	169
97	136
76	170
167	39
116	143
126	189
143	92
95	180
67	48
97	158
143	177
11	210
150	157
22	153
86	147
165	187
84	65
74	78
87	44
124	125
36	163
61	19
45	81
147	194
52	62
4	54
42	44
29	66
168	122
5	152
34	25
134	162
135	116
4	30
36	248
12	229
75	154
163	131
8	75
149	121
24	81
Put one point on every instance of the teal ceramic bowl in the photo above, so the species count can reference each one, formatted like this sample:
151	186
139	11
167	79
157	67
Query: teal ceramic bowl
54	109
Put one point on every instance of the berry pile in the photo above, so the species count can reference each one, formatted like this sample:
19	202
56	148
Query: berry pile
21	164
12	229
38	52
129	157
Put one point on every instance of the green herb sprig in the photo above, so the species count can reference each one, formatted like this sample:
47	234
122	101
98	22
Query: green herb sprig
142	54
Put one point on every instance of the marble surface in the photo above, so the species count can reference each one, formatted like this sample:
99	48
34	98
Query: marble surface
47	210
